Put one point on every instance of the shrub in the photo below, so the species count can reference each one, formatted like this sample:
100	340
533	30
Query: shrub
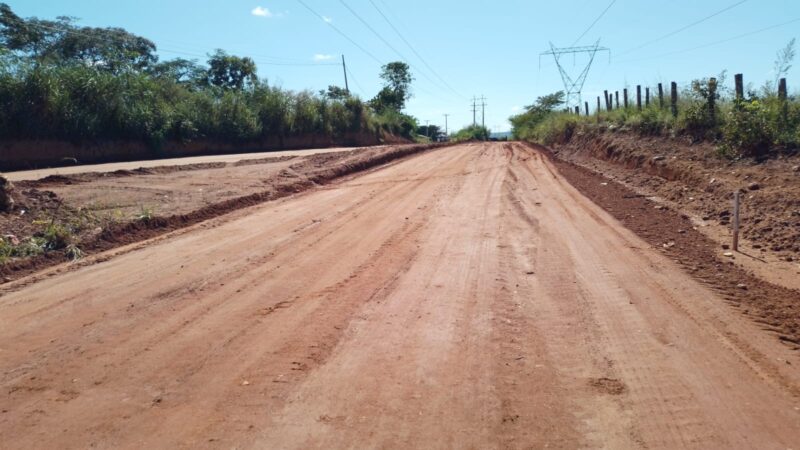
747	130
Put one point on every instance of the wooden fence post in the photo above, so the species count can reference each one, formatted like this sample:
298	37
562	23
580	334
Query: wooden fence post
647	97
736	200
739	86
586	104
577	110
616	98
783	95
605	93
625	97
712	97
639	97
609	102
674	99
660	95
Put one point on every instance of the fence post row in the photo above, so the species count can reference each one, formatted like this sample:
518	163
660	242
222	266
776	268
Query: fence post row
674	99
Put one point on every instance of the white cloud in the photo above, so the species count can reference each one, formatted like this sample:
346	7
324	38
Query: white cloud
322	57
260	11
327	19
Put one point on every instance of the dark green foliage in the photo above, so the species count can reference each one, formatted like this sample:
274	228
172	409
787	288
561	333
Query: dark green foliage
472	133
79	84
396	92
231	72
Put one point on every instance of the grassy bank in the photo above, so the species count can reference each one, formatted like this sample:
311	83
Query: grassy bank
759	125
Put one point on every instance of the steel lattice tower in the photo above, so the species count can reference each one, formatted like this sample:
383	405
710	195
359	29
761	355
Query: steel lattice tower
574	86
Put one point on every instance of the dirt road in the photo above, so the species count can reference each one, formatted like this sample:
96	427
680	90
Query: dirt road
464	298
111	167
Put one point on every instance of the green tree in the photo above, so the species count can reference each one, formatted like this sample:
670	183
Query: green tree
231	72
336	93
112	49
396	92
180	70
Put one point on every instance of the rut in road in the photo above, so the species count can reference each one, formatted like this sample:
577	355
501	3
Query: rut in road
464	298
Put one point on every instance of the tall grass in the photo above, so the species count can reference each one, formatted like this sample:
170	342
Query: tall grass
81	103
758	125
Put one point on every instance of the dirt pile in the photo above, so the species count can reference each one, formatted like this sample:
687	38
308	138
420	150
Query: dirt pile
138	216
701	182
6	199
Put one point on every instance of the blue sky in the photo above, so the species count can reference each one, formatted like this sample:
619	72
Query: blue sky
477	47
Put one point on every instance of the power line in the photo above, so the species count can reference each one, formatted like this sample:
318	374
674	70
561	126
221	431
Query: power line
710	44
355	80
322	18
673	33
413	50
602	14
379	36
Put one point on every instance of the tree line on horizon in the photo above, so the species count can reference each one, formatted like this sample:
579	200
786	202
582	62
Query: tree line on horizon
62	81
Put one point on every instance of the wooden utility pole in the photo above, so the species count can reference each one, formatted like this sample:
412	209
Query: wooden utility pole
483	112
344	68
474	111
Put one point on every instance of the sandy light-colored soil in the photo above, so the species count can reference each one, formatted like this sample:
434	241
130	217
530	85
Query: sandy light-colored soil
193	160
468	297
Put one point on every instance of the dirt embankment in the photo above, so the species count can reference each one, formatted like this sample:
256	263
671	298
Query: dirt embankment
587	164
700	182
100	211
32	154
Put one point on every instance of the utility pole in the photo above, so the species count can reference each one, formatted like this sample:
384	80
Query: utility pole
483	111
446	132
344	68
474	110
427	129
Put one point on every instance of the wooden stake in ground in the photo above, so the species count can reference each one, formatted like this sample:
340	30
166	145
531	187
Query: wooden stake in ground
660	95
736	200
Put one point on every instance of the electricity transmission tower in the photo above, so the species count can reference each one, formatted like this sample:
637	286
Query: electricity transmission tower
573	86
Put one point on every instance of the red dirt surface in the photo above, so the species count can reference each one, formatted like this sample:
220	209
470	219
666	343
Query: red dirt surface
468	297
106	210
